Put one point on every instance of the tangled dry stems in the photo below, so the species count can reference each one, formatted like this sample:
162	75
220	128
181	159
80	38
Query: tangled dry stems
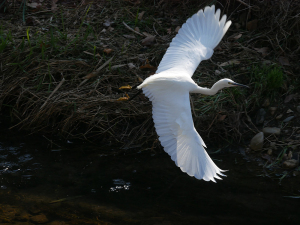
44	86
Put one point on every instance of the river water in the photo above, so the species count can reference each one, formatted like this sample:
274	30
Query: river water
56	182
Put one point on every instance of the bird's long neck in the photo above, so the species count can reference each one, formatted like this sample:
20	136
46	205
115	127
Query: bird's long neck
206	91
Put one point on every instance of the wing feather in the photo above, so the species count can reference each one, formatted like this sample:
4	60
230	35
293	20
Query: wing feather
174	125
195	41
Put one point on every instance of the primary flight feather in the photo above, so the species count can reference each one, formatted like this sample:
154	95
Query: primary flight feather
169	91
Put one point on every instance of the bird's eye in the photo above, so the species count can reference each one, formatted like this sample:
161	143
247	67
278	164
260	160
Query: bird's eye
229	83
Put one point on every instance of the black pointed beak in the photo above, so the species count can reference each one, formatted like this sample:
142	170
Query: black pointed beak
240	85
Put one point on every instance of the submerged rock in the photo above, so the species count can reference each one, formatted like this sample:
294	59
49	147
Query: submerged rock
257	142
271	130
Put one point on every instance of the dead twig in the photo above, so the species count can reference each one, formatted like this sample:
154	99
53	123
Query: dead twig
129	28
53	92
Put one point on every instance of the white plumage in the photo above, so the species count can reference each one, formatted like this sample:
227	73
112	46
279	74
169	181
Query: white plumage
169	92
195	41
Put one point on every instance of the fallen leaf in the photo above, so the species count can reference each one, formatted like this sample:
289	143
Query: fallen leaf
169	31
289	98
238	36
108	23
107	50
231	62
131	65
90	75
177	29
221	117
129	36
33	5
291	163
137	29
141	14
148	41
252	25
218	72
148	66
42	44
234	36
283	61
263	51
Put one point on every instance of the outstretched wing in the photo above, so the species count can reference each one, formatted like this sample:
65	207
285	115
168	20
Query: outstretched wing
195	41
177	134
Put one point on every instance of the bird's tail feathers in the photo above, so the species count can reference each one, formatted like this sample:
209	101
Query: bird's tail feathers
194	160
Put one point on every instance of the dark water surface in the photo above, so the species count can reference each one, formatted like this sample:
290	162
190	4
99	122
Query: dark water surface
42	183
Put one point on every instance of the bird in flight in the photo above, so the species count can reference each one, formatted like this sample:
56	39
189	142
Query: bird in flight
169	91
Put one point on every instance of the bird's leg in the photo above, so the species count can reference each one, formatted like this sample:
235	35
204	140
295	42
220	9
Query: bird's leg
124	98
127	98
127	87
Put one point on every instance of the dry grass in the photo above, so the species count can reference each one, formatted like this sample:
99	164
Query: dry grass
50	82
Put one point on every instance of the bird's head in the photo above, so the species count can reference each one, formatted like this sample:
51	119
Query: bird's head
230	83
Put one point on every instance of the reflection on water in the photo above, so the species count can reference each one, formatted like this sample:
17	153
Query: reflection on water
46	183
120	185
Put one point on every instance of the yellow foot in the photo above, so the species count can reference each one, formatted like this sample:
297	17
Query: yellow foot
127	87
124	98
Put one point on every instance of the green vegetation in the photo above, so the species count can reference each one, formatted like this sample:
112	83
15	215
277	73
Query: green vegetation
268	79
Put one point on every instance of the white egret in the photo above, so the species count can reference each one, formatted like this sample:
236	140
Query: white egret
169	90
